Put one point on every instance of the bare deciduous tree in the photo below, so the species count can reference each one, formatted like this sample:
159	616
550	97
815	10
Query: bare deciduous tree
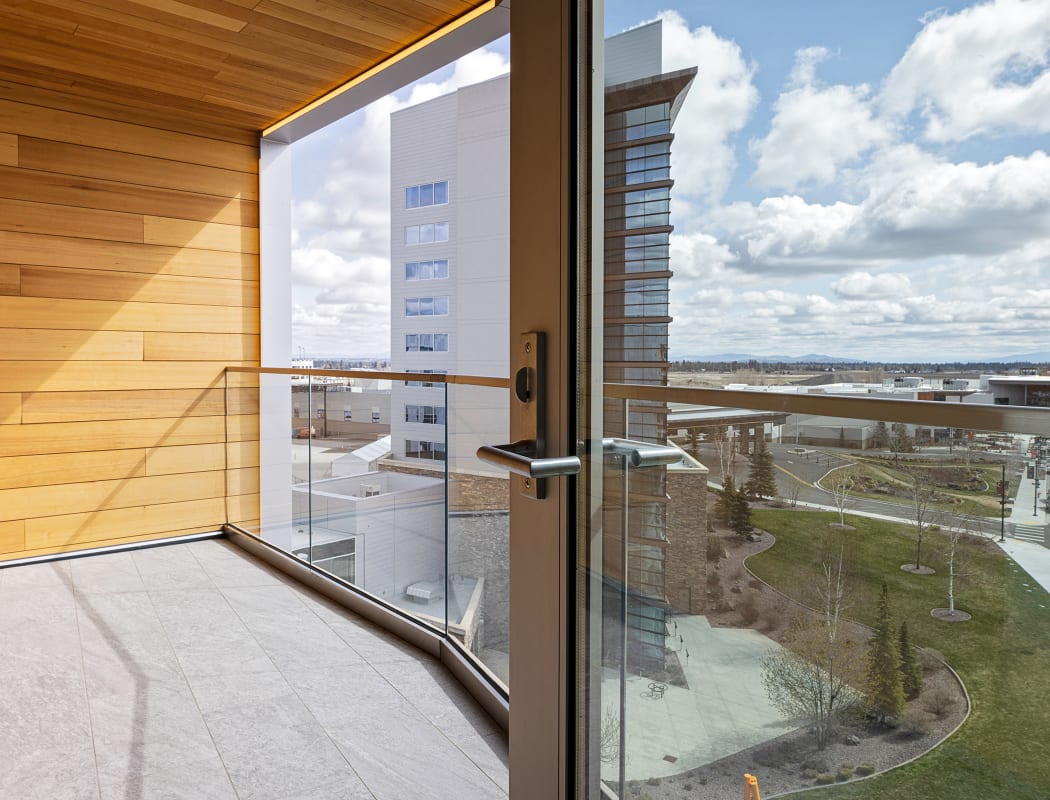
841	488
812	677
922	495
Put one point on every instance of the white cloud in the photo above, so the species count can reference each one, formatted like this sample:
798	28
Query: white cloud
980	71
718	105
815	129
916	206
866	285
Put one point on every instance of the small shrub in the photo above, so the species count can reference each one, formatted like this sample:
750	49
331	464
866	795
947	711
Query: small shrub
688	787
848	766
755	584
913	724
939	702
818	764
748	607
843	775
809	773
703	780
865	769
825	778
716	551
653	781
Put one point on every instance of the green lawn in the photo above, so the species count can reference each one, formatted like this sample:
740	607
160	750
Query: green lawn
1002	654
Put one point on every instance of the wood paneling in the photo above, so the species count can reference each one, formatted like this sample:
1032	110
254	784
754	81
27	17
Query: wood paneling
28	249
10	279
242	481
67	190
10	409
215	61
99	528
79	437
226	348
67	126
95	284
208	236
188	458
8	149
12	536
85	223
136	170
46	345
129	248
59	468
35	312
95	496
134	404
77	376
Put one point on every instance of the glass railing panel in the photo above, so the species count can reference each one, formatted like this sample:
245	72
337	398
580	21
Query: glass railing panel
754	634
478	578
347	496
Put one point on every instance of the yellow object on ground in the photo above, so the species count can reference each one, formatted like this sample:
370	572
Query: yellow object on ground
751	787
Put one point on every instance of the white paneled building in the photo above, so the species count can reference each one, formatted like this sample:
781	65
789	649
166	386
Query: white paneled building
449	243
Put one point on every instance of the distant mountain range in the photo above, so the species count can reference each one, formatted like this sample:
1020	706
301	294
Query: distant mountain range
818	358
811	358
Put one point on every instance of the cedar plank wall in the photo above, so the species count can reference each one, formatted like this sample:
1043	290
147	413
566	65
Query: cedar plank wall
129	276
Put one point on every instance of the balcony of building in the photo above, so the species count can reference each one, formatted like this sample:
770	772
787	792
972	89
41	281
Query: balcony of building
196	670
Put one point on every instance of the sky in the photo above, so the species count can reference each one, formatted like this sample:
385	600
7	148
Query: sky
860	180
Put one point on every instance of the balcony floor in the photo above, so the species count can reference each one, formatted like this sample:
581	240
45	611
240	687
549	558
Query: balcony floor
193	671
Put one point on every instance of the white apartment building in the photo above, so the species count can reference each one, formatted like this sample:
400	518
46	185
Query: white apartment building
449	245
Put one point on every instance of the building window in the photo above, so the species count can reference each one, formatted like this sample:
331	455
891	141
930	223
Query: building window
415	448
428	415
320	413
426	306
348	414
426	194
375	413
427	233
426	270
425	384
426	342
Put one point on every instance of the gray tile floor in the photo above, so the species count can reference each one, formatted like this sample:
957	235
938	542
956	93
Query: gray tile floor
193	672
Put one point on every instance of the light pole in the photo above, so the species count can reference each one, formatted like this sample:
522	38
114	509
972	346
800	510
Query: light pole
1035	494
1002	505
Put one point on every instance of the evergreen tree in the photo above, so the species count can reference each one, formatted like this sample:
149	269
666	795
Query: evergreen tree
884	692
724	503
911	671
740	512
881	437
900	441
762	480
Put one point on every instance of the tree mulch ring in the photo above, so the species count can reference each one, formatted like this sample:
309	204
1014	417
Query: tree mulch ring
914	570
947	615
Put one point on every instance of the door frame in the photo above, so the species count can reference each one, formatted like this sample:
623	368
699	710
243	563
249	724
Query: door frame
552	208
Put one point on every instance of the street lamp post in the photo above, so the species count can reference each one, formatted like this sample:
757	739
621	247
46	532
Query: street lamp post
1035	494
1002	505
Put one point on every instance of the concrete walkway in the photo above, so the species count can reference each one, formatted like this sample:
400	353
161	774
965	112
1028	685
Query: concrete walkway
724	710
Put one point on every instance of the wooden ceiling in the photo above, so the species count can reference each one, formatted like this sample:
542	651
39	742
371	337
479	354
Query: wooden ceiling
200	64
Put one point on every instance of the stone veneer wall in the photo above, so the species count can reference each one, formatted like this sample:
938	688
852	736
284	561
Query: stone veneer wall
685	564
